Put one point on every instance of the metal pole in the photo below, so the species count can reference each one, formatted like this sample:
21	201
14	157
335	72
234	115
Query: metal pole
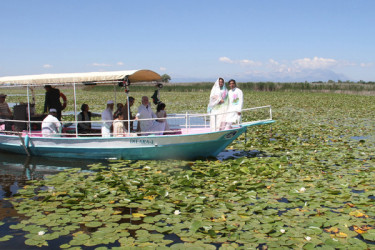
75	108
28	110
114	90
127	103
271	112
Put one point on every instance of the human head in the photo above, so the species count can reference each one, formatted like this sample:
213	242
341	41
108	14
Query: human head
131	101
2	98
161	106
232	84
47	87
110	104
221	82
145	100
53	112
119	116
84	107
120	105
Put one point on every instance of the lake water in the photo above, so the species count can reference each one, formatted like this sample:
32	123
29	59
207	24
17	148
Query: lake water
16	170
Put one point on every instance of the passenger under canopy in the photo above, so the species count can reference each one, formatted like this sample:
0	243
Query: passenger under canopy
110	77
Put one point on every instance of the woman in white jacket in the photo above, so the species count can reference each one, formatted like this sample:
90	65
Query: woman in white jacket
218	105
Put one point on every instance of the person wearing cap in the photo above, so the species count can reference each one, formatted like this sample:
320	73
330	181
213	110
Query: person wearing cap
52	100
107	118
51	126
5	112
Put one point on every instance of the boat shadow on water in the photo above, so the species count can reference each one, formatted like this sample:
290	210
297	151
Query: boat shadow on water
235	154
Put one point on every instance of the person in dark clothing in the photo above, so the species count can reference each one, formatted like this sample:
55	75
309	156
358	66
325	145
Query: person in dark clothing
52	100
85	115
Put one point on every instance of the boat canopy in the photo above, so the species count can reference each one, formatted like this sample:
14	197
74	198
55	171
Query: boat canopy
132	76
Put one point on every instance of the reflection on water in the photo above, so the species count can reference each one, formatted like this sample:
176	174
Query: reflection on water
16	169
234	154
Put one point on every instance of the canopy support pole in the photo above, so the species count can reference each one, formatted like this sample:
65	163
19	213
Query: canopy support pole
28	111
75	108
114	90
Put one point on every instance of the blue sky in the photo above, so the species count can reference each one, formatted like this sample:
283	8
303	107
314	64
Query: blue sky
248	40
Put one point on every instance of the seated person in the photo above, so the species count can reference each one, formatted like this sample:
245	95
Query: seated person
120	107
85	115
145	112
51	126
5	112
148	126
161	113
119	129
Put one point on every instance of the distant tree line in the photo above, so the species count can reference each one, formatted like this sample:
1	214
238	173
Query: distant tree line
257	86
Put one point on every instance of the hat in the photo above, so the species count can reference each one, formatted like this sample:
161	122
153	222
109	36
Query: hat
3	95
110	102
53	111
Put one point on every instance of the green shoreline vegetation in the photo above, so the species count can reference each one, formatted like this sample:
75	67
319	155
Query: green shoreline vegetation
309	185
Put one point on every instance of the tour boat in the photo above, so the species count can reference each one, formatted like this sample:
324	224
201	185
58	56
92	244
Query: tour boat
190	136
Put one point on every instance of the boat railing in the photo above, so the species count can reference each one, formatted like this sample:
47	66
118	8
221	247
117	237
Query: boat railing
184	123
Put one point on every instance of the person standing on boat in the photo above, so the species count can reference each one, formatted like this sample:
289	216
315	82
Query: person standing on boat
107	118
161	113
235	97
127	117
51	126
5	112
145	112
218	105
52	100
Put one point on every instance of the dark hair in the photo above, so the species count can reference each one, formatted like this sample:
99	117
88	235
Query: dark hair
118	114
131	98
220	78
83	107
161	106
234	81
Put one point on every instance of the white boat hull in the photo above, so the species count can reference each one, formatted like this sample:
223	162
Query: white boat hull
189	146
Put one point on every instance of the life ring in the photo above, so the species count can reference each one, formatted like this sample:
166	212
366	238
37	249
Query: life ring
65	101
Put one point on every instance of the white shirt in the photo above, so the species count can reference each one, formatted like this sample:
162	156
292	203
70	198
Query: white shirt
50	126
235	105
108	117
145	112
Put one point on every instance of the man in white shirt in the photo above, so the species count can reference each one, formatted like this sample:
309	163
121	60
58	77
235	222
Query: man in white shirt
145	112
51	126
235	96
107	118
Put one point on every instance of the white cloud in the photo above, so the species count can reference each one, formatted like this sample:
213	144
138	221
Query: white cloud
101	65
246	62
315	63
273	62
243	62
120	63
47	66
366	65
225	59
163	69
